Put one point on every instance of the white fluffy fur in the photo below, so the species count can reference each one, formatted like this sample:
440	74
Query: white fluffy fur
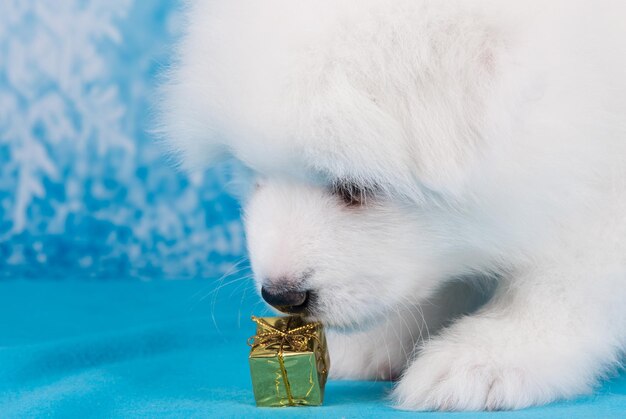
494	133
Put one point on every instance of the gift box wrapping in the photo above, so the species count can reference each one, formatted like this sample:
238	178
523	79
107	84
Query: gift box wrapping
289	362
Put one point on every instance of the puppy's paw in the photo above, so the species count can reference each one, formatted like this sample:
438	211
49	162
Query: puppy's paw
449	376
360	357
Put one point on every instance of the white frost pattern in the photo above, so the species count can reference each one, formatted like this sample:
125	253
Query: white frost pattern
58	48
83	189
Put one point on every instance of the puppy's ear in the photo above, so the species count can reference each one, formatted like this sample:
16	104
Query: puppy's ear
450	117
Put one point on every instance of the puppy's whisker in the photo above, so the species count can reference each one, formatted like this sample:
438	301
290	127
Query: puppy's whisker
408	327
221	286
229	272
234	270
387	348
423	323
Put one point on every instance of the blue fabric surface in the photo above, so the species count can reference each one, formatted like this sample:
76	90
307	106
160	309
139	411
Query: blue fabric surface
169	349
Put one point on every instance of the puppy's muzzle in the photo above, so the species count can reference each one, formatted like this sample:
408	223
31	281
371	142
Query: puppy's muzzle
287	301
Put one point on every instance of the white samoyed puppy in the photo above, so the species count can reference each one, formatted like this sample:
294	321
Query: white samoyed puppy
406	150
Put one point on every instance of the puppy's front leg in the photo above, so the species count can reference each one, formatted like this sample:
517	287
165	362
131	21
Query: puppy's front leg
380	353
383	352
547	335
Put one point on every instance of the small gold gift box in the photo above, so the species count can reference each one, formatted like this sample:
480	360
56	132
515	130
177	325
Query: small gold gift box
288	362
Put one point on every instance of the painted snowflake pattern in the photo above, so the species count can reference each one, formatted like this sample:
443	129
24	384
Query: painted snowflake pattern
85	191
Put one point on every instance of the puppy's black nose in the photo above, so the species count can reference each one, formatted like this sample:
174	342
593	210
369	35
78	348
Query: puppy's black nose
287	301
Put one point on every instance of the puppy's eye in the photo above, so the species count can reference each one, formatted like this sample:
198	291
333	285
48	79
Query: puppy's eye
352	194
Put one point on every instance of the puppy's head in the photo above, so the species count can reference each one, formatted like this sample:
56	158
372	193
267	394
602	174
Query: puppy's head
354	116
339	252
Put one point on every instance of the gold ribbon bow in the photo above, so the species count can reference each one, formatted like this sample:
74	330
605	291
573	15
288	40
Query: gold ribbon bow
296	339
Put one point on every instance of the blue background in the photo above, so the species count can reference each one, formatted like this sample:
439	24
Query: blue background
85	190
97	229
